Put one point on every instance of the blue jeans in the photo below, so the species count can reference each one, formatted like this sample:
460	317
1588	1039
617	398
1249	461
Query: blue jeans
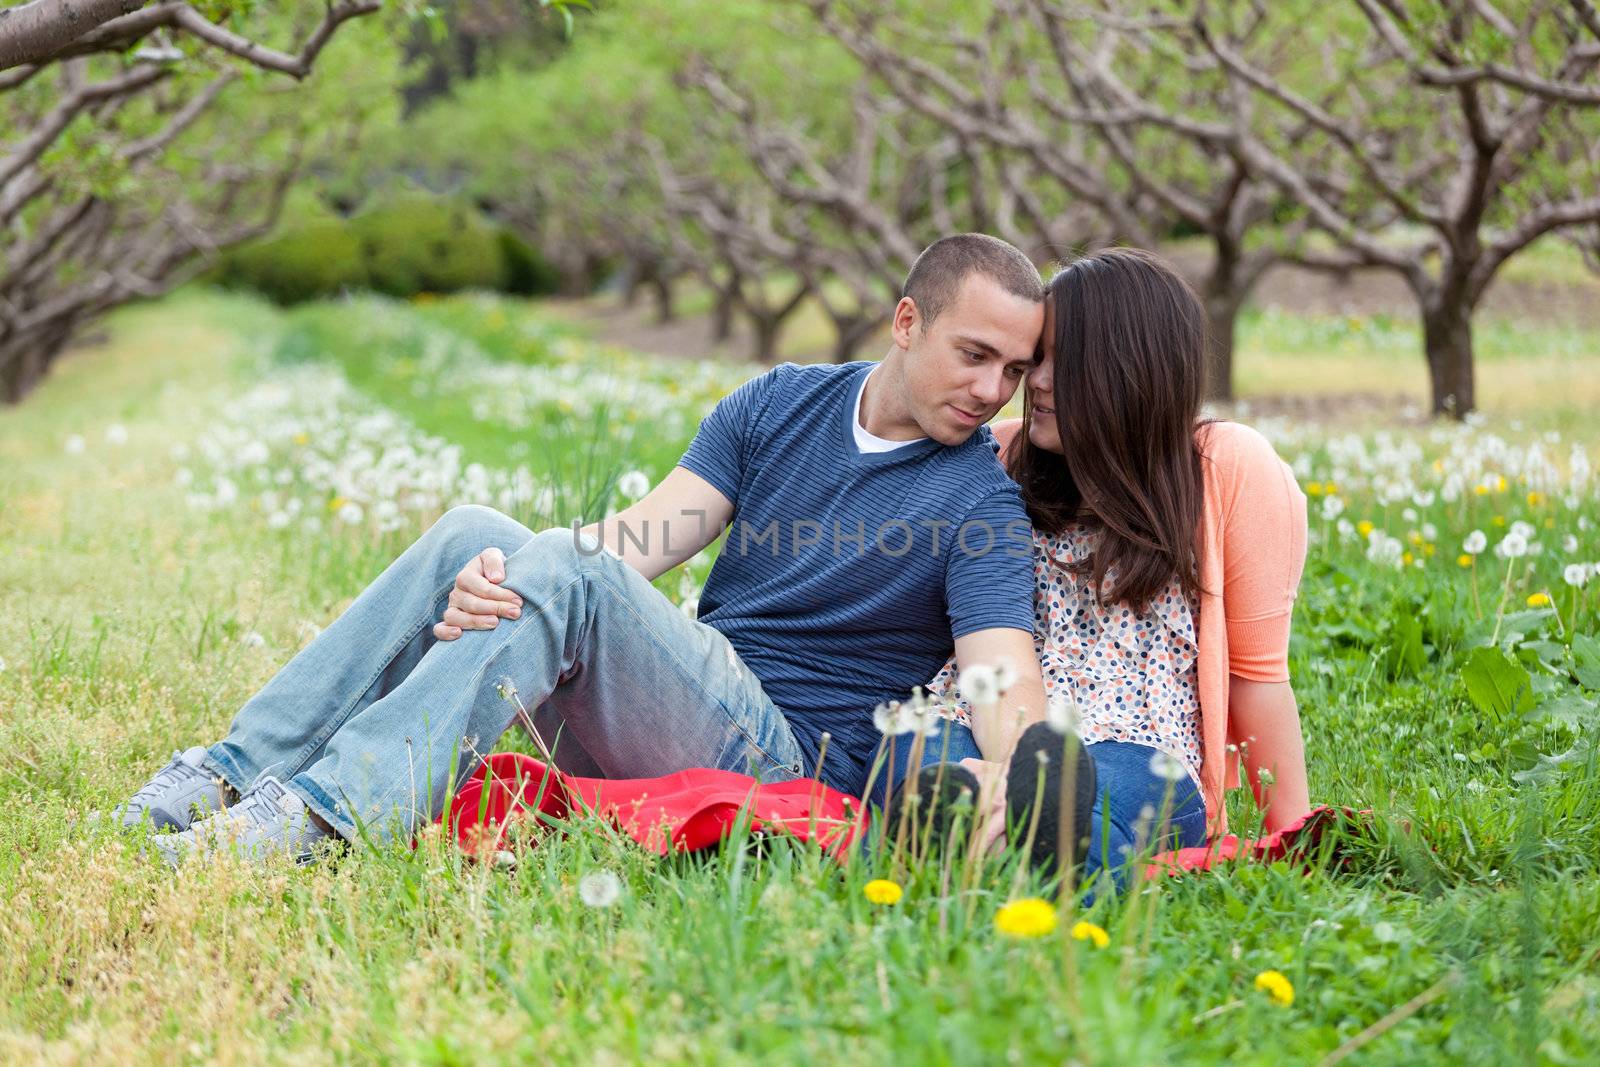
953	743
1129	802
1125	788
375	721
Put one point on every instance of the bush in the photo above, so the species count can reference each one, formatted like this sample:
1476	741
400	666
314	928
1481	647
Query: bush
410	244
314	259
417	244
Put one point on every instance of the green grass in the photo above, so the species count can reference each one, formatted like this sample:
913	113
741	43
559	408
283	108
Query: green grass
138	623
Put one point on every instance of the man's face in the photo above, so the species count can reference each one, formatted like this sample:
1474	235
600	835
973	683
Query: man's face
963	368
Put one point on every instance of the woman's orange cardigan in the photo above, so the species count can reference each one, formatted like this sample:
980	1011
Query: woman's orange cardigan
1252	551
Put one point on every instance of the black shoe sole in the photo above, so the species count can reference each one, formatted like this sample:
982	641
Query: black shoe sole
944	792
1027	788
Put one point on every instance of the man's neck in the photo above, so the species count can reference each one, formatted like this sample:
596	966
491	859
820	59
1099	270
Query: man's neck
881	414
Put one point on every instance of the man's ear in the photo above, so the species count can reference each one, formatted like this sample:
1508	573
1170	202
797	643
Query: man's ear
907	321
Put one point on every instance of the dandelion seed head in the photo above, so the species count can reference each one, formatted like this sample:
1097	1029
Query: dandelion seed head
600	889
1167	767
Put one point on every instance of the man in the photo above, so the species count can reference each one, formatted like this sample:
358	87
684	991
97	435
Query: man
869	531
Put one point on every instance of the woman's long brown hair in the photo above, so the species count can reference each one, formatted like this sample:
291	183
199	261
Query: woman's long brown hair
1130	343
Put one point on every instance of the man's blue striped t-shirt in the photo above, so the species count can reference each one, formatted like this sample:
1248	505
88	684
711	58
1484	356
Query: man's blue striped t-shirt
845	577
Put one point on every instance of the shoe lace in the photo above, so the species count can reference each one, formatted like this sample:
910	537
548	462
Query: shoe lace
264	801
170	775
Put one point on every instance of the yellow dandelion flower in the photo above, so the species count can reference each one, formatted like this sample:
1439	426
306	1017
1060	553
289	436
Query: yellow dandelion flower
1028	917
336	503
1313	489
302	438
1428	549
1539	600
1500	483
1414	537
1365	527
1330	487
1088	931
1276	986
1480	490
883	891
1499	520
1407	558
1535	498
1464	560
1549	524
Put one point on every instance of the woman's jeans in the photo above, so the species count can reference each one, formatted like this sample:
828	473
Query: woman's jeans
1129	798
375	721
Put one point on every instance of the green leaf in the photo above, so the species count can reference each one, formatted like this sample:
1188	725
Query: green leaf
1586	660
1406	655
1497	684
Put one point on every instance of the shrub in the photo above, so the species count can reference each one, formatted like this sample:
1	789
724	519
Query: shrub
402	246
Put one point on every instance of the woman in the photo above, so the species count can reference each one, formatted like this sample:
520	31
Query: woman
1193	532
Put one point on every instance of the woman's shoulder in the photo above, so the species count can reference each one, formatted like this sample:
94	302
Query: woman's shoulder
1237	455
1005	431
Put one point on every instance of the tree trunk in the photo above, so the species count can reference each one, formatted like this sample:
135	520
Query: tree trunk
21	372
849	335
765	329
1225	289
1222	311
722	313
1447	341
661	289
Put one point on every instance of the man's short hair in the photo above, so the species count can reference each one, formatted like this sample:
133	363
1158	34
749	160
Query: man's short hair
937	274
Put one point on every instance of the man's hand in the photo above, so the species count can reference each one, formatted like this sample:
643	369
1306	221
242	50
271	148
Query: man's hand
991	800
478	602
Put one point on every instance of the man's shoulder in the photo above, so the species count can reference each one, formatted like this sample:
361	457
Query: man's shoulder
802	377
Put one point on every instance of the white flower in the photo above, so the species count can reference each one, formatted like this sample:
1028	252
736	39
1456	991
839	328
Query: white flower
980	684
1266	777
1576	574
2	664
905	717
691	608
1168	768
252	640
116	434
634	484
1005	676
1524	530
1332	508
307	631
277	520
1515	546
600	889
75	445
350	513
1061	712
1569	544
1476	542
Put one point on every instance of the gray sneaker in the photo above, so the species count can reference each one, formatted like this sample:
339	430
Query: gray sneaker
181	792
267	820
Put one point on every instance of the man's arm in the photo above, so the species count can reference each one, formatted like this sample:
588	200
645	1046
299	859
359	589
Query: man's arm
675	520
996	729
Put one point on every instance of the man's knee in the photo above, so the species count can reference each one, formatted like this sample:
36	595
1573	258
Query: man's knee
470	528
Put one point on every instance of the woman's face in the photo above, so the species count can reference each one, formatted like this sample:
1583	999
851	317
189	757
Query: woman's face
1043	430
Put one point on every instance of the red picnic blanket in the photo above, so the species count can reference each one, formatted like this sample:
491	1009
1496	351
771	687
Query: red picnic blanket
682	812
695	809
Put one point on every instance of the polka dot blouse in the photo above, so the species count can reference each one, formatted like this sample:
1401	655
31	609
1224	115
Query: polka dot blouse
1133	675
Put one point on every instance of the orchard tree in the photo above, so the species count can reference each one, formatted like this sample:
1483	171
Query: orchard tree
142	138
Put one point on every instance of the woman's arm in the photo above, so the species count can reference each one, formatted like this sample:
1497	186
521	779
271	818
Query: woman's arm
1264	716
